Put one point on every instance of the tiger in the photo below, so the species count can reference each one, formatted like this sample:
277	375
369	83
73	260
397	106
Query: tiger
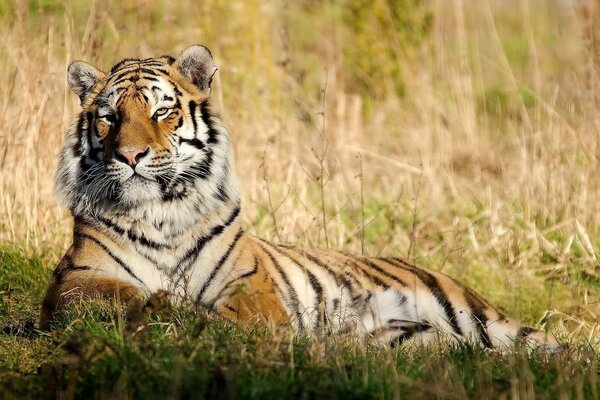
148	174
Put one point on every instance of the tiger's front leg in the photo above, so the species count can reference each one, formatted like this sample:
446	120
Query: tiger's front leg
72	281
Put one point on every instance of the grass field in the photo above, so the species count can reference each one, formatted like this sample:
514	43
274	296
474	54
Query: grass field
462	135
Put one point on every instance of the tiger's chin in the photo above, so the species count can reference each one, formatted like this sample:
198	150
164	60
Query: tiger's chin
138	190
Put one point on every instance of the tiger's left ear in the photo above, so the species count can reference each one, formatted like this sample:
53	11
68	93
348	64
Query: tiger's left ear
197	65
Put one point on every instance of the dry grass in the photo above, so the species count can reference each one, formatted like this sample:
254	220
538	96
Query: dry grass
486	169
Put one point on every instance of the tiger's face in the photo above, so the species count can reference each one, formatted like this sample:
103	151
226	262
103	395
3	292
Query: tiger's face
145	133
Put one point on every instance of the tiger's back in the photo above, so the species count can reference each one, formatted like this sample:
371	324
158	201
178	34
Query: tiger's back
149	177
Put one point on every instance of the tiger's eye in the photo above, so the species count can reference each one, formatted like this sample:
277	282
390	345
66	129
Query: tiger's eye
161	112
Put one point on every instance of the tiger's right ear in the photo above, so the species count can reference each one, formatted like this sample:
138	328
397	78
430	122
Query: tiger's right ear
82	78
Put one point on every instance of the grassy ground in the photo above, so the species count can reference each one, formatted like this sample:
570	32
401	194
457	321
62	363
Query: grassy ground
155	351
471	146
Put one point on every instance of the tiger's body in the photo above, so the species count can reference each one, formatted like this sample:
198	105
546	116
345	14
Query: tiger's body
149	177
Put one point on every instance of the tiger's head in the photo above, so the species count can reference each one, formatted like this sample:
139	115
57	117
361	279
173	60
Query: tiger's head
145	135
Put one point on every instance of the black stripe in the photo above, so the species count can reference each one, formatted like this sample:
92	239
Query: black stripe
343	280
135	70
197	248
141	239
340	279
482	331
153	71
483	304
249	273
90	118
410	330
525	331
202	241
111	254
144	241
336	305
171	195
245	275
343	277
164	177
217	230
157	61
219	265
293	296
111	225
432	284
77	150
126	78
132	236
91	129
397	341
82	161
197	143
478	316
239	278
314	283
60	273
368	273
170	60
381	270
179	124
206	116
192	106
231	308
95	154
319	304
175	87
221	193
123	62
134	77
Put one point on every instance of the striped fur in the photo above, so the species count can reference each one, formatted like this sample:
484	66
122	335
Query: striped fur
170	221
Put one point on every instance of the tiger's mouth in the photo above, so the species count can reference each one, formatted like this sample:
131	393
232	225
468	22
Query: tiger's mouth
136	176
140	185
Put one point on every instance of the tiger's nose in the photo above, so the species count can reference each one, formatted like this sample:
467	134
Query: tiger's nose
131	155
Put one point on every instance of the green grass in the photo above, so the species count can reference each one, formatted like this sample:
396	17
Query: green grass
101	350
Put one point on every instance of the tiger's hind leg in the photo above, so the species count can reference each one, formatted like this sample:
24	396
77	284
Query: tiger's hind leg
399	332
396	317
390	318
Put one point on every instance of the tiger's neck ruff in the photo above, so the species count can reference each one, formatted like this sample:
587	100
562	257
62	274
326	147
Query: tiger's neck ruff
148	174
